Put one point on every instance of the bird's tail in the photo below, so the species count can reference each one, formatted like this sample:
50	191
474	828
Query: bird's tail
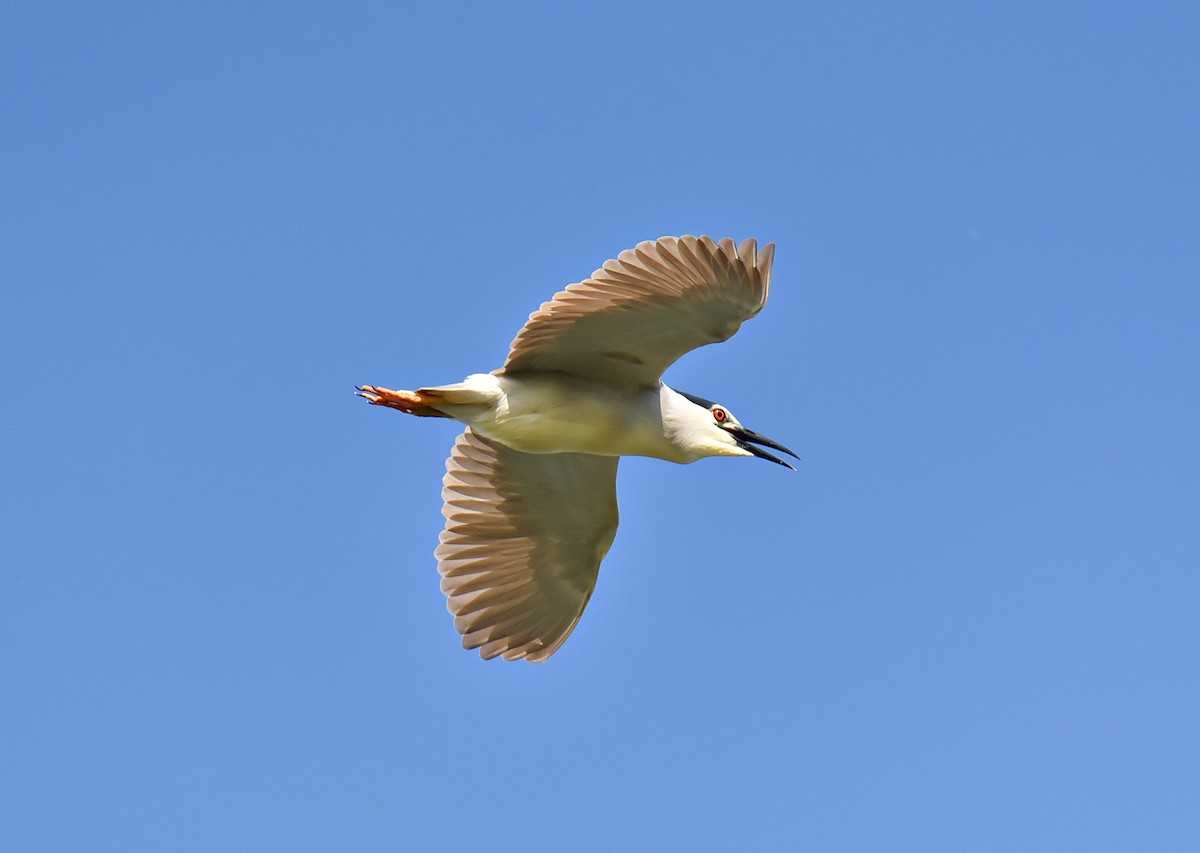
429	402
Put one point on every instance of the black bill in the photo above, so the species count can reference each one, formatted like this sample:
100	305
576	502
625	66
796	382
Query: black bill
747	439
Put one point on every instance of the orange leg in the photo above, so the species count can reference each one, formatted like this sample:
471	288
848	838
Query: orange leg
409	402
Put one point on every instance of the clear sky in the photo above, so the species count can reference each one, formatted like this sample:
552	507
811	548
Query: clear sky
968	623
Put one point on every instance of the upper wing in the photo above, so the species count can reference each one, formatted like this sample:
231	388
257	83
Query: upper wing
525	534
637	314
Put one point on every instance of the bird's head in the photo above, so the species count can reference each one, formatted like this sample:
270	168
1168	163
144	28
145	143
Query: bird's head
710	429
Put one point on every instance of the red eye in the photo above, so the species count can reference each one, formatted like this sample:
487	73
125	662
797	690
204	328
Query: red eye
719	414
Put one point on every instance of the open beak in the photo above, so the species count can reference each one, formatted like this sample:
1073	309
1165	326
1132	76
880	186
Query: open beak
747	439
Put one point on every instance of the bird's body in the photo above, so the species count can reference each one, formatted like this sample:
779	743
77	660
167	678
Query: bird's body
552	413
530	487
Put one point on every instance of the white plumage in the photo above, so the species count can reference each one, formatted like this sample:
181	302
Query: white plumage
530	486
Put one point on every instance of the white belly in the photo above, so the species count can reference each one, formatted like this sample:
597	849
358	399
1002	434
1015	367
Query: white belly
559	414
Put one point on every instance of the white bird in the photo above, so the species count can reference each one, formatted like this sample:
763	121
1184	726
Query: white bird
530	488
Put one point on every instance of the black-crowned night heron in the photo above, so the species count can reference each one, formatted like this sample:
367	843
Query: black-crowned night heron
530	487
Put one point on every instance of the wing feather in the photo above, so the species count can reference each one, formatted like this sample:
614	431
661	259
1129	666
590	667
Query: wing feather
524	537
645	308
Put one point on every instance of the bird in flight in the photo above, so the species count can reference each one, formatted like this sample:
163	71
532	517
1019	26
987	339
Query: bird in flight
530	488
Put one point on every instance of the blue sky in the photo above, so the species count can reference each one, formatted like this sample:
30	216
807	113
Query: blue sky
967	623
